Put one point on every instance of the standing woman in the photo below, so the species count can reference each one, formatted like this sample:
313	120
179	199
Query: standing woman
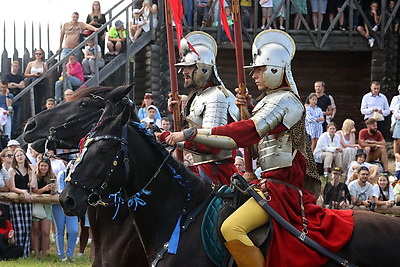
21	175
4	177
42	183
6	158
147	101
97	19
34	70
62	221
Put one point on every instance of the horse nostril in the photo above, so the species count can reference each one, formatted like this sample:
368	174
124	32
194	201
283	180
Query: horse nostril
69	203
30	126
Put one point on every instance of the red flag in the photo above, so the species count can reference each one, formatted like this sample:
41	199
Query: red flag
177	11
224	20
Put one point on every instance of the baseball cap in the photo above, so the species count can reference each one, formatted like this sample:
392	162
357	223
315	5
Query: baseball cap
337	169
119	24
13	143
152	107
136	11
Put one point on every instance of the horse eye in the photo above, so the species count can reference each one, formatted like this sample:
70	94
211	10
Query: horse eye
83	104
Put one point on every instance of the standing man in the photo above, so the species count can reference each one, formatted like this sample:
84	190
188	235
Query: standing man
6	100
15	85
209	105
277	126
360	189
375	105
323	101
371	140
71	31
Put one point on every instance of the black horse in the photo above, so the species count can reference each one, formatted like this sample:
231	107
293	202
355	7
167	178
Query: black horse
163	191
65	125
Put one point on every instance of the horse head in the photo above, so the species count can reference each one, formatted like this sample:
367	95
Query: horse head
64	125
99	153
158	188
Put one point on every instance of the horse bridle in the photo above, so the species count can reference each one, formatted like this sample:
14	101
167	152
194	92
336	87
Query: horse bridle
94	199
88	119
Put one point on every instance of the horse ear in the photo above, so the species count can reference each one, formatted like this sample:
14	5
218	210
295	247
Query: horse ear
118	93
108	110
124	116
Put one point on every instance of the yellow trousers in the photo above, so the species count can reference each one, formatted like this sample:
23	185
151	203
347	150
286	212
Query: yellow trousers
245	219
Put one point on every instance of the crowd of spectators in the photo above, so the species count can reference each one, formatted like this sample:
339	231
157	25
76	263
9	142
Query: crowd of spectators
362	157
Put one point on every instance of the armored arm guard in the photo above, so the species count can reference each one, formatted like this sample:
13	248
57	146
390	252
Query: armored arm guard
280	107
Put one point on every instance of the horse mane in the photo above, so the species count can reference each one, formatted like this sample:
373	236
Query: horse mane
86	91
192	183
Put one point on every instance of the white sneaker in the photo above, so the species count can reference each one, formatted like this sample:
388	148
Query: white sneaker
262	27
375	28
371	42
281	28
64	259
80	254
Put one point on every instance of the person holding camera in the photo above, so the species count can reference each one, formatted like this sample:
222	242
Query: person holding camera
42	183
361	191
97	19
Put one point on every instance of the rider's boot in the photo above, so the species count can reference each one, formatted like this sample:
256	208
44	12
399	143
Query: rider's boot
245	256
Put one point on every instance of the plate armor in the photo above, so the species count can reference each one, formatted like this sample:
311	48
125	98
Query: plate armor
276	150
211	108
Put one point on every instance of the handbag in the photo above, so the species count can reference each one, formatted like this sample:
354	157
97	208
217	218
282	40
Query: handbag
377	116
38	211
87	33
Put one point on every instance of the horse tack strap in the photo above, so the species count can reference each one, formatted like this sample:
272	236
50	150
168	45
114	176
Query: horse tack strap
184	226
291	229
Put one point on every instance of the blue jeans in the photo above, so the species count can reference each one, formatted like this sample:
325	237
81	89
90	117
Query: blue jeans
61	220
71	81
65	51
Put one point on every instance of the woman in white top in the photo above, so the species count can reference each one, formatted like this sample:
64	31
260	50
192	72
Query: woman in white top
33	71
383	192
328	149
348	142
89	62
149	11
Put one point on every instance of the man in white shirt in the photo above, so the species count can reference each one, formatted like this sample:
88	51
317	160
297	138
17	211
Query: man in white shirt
375	105
360	189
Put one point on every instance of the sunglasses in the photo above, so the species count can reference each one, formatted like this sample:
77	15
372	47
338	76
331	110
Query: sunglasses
38	54
8	156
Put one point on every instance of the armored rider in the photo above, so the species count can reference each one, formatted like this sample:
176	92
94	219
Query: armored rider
210	105
277	126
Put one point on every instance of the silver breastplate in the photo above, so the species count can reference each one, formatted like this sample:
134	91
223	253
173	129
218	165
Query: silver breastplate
212	108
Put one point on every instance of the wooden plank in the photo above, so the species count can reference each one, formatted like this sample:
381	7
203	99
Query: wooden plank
36	198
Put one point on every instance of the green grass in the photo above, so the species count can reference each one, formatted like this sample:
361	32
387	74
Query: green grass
50	261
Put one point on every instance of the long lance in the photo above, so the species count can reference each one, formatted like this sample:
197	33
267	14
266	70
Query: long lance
237	24
172	74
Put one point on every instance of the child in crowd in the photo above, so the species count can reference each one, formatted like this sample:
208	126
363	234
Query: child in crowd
383	192
151	119
314	120
50	103
396	19
8	249
266	8
137	24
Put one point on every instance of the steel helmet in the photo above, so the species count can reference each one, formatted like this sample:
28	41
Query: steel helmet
275	50
200	49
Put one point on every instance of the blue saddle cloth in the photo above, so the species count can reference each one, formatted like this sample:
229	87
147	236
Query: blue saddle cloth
214	249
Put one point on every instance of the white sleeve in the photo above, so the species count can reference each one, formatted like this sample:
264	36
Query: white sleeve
375	191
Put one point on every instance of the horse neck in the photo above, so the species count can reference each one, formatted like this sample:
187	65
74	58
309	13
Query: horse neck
168	200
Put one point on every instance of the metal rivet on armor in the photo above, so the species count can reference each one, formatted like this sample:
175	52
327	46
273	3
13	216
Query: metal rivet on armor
280	140
276	153
115	163
279	146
